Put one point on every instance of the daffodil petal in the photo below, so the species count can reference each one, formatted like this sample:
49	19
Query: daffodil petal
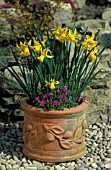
52	86
57	82
41	58
48	56
37	48
29	43
47	83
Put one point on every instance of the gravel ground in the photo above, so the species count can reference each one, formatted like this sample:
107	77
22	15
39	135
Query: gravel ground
98	156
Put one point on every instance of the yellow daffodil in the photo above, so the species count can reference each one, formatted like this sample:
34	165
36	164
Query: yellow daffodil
73	36
44	54
61	34
29	43
44	41
24	50
89	41
37	43
64	35
52	84
21	47
37	46
95	50
84	44
92	54
58	32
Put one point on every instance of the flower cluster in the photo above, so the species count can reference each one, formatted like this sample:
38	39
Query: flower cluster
58	99
55	69
66	34
37	48
90	44
63	35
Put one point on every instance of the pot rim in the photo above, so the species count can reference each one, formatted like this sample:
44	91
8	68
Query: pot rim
41	112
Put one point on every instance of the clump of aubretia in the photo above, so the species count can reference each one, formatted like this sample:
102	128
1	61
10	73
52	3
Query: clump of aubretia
59	98
56	69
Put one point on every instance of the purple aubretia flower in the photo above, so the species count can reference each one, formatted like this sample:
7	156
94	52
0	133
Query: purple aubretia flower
44	96
66	100
42	102
37	98
50	101
50	94
57	103
81	99
65	86
57	87
61	96
65	91
43	88
58	90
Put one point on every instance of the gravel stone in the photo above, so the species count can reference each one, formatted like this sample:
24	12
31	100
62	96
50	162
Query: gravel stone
100	164
25	165
15	167
15	158
80	167
22	168
19	163
12	162
24	160
109	151
102	156
108	166
8	157
32	168
94	165
37	164
2	167
109	156
52	168
70	167
58	167
94	127
8	167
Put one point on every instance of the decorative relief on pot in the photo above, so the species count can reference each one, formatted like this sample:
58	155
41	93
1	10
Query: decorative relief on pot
49	135
66	138
29	133
78	135
56	132
84	124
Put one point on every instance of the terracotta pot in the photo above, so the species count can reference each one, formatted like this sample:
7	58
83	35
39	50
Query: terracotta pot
54	136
